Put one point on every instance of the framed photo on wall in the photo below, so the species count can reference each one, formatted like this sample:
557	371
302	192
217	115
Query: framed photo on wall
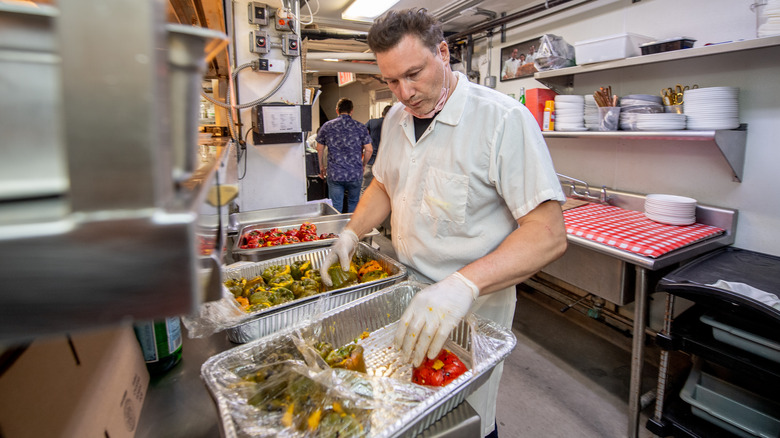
517	60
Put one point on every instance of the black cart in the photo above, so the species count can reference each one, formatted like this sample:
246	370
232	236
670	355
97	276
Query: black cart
719	373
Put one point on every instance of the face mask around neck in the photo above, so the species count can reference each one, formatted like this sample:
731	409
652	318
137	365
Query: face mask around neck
442	98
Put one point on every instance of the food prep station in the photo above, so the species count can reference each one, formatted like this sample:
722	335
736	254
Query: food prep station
446	415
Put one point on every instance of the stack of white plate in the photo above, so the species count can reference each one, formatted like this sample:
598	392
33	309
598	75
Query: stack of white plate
633	105
592	118
670	209
660	122
712	108
569	112
770	18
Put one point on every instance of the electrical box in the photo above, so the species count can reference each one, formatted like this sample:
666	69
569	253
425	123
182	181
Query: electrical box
283	22
280	123
270	65
291	45
258	41
258	13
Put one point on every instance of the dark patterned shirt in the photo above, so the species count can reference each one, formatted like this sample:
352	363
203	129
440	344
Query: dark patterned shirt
344	138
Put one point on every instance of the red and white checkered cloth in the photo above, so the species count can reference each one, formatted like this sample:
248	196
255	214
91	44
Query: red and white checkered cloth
632	231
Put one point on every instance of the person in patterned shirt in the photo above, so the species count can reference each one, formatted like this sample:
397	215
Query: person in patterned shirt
349	149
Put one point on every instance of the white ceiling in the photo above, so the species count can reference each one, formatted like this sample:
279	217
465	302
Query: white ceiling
456	16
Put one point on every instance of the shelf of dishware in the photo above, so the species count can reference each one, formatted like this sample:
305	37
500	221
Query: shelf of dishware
730	142
564	78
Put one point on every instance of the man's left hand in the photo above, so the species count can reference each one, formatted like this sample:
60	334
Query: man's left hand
431	315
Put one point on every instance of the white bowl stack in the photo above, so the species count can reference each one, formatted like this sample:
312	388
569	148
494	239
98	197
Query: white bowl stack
712	108
569	112
634	105
770	17
592	118
670	209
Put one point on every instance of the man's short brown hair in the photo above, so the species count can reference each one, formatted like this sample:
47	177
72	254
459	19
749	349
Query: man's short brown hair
344	106
389	29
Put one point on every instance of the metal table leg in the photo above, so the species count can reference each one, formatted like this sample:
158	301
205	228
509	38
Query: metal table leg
637	351
663	367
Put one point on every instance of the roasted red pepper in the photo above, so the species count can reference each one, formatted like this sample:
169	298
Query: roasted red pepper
307	232
440	371
308	227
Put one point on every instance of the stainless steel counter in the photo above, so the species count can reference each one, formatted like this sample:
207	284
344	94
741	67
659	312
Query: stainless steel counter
604	261
178	404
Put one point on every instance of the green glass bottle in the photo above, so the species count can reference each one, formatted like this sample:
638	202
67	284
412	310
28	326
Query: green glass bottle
161	343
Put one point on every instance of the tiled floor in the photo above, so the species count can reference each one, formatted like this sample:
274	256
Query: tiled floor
564	381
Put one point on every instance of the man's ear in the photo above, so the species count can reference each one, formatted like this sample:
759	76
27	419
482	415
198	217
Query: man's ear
444	51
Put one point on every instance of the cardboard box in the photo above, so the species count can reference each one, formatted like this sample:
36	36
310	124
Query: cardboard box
535	99
90	384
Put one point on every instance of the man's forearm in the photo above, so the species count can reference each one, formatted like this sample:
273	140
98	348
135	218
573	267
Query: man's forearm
368	150
539	240
372	209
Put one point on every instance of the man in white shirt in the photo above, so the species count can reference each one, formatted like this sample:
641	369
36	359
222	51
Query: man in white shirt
511	65
474	197
531	55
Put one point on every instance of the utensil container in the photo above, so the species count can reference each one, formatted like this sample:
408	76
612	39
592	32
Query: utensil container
609	118
675	109
667	45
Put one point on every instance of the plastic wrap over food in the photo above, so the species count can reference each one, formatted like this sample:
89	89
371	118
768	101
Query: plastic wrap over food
282	385
553	53
244	325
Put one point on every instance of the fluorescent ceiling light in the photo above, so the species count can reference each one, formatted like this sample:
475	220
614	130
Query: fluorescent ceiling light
330	59
367	10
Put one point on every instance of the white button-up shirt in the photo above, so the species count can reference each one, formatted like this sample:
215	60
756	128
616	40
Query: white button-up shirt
457	192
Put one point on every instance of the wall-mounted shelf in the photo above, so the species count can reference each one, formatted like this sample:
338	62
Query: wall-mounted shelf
562	80
731	142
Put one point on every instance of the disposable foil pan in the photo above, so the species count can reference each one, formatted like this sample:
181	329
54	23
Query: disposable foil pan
481	345
267	321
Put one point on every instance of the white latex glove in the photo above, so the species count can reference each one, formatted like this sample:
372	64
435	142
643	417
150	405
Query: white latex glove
431	315
342	251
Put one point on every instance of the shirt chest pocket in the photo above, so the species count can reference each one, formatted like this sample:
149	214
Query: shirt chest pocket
445	195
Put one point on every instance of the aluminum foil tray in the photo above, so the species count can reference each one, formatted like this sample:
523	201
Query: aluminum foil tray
273	319
480	344
326	224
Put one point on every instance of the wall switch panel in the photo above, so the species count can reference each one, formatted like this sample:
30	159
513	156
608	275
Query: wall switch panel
258	41
291	46
258	13
270	65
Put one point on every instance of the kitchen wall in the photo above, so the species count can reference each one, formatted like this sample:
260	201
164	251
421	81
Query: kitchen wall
357	92
688	168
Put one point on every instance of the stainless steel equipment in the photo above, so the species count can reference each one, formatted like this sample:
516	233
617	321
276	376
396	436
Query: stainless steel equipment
622	277
102	219
606	271
329	224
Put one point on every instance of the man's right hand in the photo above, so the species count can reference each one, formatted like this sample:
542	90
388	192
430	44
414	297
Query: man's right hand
341	251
